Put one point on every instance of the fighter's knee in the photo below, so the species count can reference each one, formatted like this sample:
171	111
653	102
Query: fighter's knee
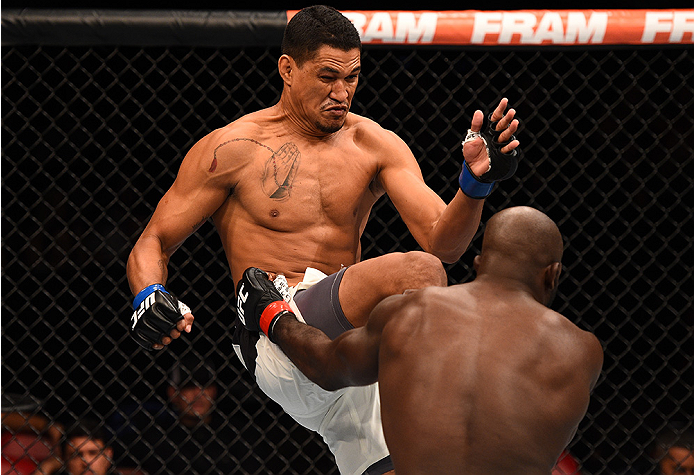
423	270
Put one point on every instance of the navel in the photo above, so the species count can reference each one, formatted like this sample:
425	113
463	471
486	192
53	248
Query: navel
274	213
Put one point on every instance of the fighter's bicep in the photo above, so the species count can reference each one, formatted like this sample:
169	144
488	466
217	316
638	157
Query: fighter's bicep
357	352
183	209
356	357
401	178
397	163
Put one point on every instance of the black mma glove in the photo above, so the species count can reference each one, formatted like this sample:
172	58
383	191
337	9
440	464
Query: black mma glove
258	303
501	165
156	313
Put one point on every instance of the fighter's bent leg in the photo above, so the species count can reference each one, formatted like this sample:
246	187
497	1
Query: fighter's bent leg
368	282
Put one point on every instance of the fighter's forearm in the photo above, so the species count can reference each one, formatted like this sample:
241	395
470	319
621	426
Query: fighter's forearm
332	364
307	347
456	227
147	264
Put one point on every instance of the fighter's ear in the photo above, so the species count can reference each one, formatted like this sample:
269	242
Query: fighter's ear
285	66
552	273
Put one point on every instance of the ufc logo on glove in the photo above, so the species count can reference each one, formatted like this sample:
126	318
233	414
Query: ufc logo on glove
241	299
156	314
146	303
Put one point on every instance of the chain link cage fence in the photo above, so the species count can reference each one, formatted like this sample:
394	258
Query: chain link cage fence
92	136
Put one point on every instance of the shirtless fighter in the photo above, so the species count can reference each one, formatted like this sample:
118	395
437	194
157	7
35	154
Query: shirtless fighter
466	372
289	189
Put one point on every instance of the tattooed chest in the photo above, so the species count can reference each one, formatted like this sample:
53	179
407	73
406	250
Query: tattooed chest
290	170
311	200
280	172
286	182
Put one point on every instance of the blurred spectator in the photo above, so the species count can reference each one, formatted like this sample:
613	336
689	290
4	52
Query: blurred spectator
189	434
28	438
85	449
673	451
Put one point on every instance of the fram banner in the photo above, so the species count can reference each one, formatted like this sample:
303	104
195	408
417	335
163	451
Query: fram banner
524	27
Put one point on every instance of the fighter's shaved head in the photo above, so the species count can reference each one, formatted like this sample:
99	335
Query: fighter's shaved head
518	242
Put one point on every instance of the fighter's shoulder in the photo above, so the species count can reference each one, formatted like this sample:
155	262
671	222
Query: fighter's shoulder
586	344
370	134
386	309
409	305
243	132
232	143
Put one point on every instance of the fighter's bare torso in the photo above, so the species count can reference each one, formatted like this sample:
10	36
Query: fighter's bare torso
506	386
294	201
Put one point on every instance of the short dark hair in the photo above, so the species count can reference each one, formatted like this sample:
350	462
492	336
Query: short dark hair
314	27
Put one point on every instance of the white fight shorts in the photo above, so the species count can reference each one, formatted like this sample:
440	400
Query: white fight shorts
349	419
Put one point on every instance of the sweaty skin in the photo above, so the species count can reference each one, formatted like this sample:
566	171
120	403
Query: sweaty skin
479	378
292	186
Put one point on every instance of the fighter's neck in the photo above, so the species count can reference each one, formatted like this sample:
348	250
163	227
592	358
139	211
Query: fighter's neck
506	282
298	123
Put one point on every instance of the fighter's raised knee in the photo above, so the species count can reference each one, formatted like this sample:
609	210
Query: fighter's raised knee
416	270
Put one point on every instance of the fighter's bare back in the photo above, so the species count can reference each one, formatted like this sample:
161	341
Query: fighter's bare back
503	391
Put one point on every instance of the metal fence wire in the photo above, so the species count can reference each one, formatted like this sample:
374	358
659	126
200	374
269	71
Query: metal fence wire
93	136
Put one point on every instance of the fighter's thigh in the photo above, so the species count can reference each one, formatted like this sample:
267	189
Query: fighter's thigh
368	282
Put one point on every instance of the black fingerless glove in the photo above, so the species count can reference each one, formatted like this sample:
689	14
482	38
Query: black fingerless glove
501	165
156	313
259	304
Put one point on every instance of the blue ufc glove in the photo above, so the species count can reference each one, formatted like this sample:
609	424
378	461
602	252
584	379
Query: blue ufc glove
156	313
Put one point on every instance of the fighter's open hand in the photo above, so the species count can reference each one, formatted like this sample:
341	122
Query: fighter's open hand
475	151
